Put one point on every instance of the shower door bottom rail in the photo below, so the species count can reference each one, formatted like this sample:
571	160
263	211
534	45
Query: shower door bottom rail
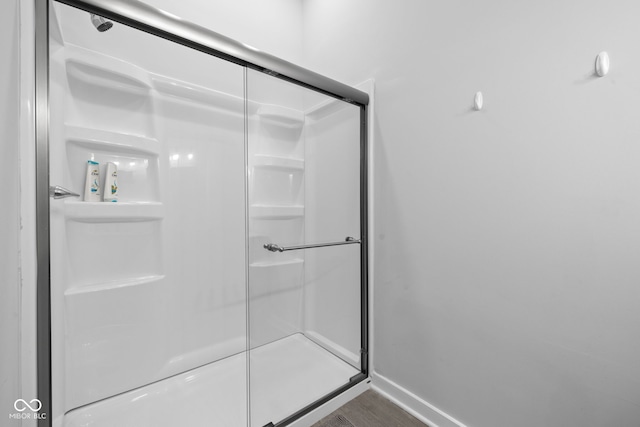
277	248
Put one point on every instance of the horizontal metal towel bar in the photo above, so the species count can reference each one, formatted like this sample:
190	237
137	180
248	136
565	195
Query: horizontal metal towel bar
276	248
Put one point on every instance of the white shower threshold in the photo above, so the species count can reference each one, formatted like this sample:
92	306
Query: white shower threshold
285	376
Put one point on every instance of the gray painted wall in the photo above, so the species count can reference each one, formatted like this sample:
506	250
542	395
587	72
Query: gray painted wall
9	212
507	240
274	26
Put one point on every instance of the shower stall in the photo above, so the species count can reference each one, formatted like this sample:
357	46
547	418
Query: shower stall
227	286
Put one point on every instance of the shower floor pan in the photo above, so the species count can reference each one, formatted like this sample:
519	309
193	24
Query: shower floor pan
285	376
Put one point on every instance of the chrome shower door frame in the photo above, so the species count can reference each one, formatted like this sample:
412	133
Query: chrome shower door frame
143	17
43	277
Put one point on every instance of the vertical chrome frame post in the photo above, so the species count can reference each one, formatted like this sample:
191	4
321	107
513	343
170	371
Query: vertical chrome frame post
364	238
43	285
247	270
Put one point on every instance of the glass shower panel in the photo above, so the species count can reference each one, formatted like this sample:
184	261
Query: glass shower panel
149	293
304	303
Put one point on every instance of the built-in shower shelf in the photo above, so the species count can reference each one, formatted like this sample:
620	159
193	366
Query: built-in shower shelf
196	93
270	264
96	69
276	212
113	285
113	211
271	277
275	162
286	117
111	141
326	108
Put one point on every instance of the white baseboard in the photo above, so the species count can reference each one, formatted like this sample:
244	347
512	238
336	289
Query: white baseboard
321	412
419	408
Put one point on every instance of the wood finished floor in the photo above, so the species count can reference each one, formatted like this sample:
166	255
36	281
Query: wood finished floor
370	409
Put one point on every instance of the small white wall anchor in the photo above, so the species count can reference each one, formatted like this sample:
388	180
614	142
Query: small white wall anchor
602	64
477	101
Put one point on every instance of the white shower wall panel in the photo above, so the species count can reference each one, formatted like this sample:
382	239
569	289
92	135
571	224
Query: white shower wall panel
332	276
120	242
154	284
116	338
107	93
276	162
146	51
205	227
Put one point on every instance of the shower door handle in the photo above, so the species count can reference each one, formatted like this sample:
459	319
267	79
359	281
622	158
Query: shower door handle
277	248
58	192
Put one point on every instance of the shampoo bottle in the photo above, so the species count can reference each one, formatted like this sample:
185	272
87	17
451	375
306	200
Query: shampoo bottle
111	183
92	182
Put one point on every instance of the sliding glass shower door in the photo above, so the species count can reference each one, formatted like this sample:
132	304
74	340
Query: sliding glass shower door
207	261
304	171
148	293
